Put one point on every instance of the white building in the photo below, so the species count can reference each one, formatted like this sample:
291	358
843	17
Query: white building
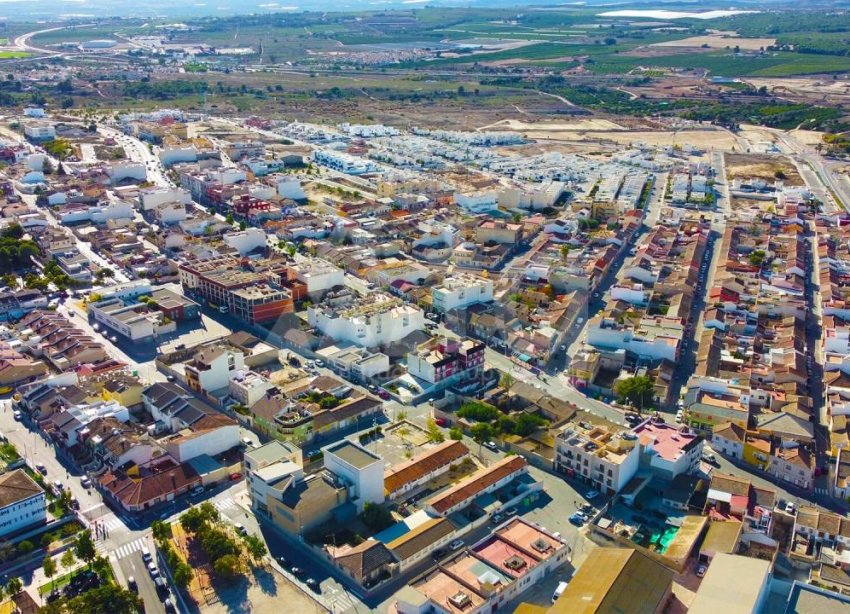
213	367
533	197
246	241
152	198
606	457
291	188
359	468
376	320
119	171
39	132
318	275
133	320
24	502
172	155
248	387
461	291
654	338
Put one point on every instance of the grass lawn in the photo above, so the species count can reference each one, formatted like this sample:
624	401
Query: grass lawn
60	581
8	55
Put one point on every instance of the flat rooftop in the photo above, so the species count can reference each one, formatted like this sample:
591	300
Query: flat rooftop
732	585
352	454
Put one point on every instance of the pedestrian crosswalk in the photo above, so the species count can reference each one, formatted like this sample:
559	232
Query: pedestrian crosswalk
110	522
338	601
224	504
126	550
821	490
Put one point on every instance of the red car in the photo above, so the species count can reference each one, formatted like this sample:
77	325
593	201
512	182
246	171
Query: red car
235	476
441	422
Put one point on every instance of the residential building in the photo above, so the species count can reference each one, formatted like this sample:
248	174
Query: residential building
213	367
443	363
362	470
481	482
402	479
376	320
604	454
495	570
248	387
669	450
23	503
135	321
461	291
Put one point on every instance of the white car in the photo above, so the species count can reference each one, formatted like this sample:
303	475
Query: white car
790	508
456	544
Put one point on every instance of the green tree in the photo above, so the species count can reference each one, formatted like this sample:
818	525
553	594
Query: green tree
84	547
102	274
182	574
161	530
229	218
107	599
506	425
13	231
526	424
256	547
507	381
227	567
192	520
477	411
25	547
14	586
455	434
49	567
565	251
376	517
639	391
10	281
68	559
435	435
481	432
209	513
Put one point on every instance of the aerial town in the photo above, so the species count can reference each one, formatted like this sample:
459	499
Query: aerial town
328	355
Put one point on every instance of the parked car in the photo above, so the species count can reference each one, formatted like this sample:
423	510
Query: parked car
170	608
456	544
153	570
591	494
16	415
562	586
85	482
146	554
578	519
491	445
297	571
709	458
790	508
701	569
283	562
57	486
41	468
312	583
240	528
131	584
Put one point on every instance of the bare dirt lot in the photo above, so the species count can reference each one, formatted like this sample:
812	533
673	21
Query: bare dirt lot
762	166
703	139
578	125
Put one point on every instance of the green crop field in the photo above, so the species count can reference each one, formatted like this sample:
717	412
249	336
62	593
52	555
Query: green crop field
10	55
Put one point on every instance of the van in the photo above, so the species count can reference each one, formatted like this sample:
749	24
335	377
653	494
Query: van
562	586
